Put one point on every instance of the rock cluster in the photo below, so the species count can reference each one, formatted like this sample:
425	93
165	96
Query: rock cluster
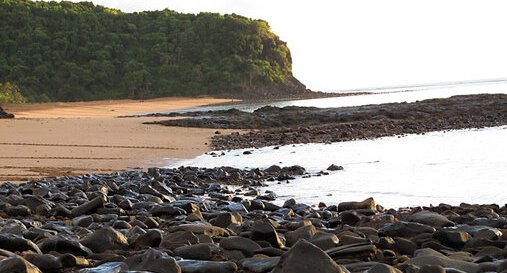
4	114
187	220
281	126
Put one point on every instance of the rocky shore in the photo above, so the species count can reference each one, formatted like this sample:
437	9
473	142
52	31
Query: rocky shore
281	126
189	220
4	114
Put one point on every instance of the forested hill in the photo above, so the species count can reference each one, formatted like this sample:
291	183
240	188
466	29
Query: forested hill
78	51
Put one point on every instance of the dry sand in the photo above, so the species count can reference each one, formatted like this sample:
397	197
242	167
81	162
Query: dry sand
55	139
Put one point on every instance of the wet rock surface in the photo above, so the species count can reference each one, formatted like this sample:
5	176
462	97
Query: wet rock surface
273	126
190	220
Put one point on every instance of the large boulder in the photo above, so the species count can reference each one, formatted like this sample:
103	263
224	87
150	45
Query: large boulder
17	265
17	243
105	239
305	257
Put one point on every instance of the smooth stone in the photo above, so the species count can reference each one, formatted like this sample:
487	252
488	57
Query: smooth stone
82	221
105	239
428	256
305	257
325	240
356	251
259	265
198	251
431	268
452	238
167	210
226	219
404	246
20	210
45	262
70	261
368	203
17	243
17	265
383	268
90	206
152	238
62	244
431	219
304	232
193	266
153	261
405	229
179	238
113	267
264	231
201	228
245	245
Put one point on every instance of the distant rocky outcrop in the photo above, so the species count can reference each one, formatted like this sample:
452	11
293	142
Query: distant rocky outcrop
4	114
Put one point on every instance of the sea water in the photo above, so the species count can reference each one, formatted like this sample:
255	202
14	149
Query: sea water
439	167
378	96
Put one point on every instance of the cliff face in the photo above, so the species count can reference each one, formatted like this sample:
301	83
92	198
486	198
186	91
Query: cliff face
78	51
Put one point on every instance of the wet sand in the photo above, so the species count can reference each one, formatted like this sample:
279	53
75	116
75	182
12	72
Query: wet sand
56	139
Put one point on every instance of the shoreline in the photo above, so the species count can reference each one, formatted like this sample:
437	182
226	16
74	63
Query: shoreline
167	220
273	126
57	139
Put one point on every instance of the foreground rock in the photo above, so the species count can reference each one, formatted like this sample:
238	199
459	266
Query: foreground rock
188	220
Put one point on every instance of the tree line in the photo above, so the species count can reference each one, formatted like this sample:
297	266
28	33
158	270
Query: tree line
64	51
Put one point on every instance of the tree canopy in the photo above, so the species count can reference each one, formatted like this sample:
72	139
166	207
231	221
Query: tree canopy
79	51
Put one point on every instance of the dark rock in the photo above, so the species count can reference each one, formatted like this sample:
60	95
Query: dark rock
192	266
245	245
153	261
383	268
16	243
45	262
305	257
430	257
334	167
112	267
259	265
62	244
4	114
304	232
405	229
431	219
152	238
368	203
431	268
226	219
17	265
179	238
197	251
105	239
264	231
90	206
452	238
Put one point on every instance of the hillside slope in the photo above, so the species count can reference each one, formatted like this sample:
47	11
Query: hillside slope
78	51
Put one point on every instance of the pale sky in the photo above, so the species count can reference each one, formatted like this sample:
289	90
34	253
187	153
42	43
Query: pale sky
339	45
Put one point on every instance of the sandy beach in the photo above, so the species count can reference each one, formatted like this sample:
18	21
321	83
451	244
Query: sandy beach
57	139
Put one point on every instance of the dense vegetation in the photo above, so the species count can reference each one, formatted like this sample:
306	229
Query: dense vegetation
78	51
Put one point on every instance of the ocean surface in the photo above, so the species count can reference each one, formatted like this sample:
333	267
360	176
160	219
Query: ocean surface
415	170
378	96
